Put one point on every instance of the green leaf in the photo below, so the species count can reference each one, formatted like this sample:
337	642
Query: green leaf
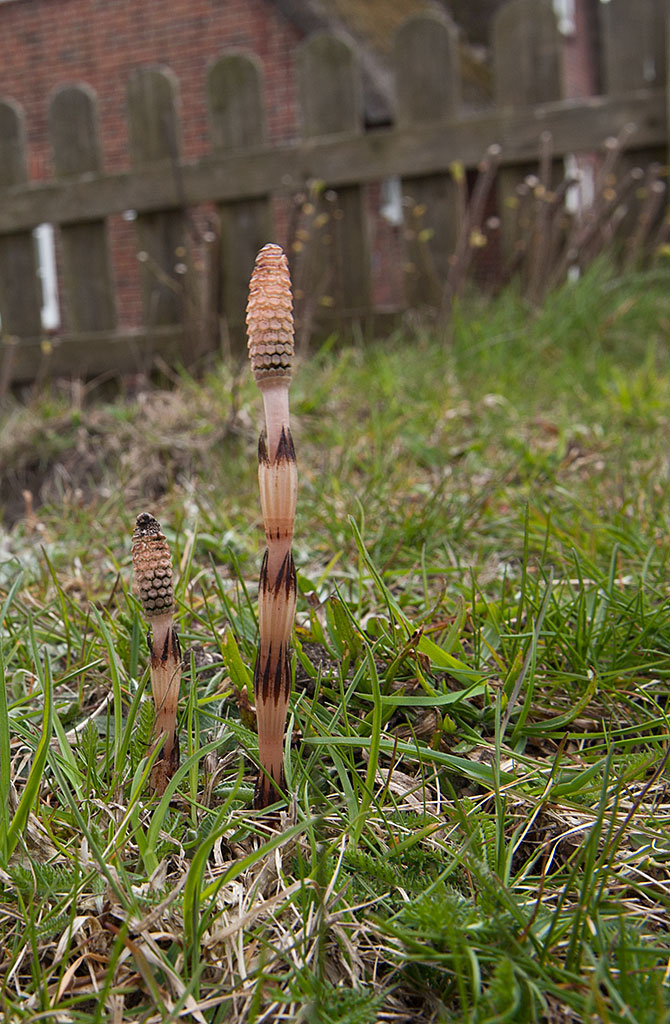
232	659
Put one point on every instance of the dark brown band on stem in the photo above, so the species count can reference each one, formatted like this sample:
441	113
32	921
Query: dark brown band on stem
286	577
285	449
166	765
272	677
171	648
262	679
283	574
268	789
263	457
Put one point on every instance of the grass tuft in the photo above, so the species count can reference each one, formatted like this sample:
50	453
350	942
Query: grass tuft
478	732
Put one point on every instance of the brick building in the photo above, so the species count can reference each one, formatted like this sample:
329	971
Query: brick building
46	43
50	42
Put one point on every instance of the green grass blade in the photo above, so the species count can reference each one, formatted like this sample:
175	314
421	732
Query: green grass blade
31	790
5	755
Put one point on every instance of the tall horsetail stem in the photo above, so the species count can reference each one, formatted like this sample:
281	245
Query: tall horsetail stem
270	343
152	570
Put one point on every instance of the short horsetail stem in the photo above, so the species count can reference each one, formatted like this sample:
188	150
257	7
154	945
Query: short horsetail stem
270	333
152	568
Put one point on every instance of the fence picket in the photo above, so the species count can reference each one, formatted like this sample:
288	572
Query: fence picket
20	299
238	124
331	104
526	71
153	129
428	90
634	57
634	44
86	268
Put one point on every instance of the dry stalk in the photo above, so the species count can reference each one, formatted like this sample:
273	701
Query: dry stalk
581	244
152	567
652	197
520	203
270	332
543	198
471	226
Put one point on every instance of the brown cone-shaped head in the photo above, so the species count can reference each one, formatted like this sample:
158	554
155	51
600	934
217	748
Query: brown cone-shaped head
152	567
270	317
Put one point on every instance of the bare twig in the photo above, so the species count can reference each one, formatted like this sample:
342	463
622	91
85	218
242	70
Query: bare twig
543	198
652	199
472	224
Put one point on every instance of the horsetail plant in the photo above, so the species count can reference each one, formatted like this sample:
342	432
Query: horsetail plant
270	343
152	568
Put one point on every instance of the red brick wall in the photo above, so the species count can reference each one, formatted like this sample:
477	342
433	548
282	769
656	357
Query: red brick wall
580	77
46	43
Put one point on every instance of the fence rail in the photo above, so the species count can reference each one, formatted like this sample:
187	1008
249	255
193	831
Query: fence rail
243	173
341	160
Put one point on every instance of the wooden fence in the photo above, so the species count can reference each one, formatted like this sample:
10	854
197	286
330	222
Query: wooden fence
242	173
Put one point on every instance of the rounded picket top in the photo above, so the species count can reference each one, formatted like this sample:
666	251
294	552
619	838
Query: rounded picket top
427	68
236	102
13	162
153	123
633	45
74	129
526	54
329	85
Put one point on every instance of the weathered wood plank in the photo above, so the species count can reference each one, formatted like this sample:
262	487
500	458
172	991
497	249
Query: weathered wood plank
428	91
140	351
13	169
237	125
329	87
87	266
330	97
634	41
88	354
20	299
153	129
411	151
526	54
526	72
634	44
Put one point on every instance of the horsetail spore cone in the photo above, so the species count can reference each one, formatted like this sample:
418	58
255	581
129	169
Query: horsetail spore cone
270	334
152	568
